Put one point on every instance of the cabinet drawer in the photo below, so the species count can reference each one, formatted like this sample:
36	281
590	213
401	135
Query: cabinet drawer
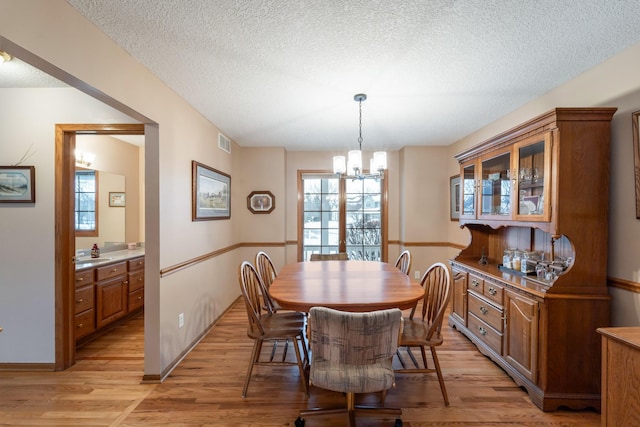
488	313
476	283
84	277
111	270
486	333
136	299
493	292
136	280
136	263
84	298
85	323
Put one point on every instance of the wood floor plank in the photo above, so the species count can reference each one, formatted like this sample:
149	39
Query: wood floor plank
104	389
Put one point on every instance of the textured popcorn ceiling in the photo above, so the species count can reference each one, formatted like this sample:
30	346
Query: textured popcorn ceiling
283	73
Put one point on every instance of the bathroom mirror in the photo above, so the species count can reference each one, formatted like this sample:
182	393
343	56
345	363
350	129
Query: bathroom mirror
111	219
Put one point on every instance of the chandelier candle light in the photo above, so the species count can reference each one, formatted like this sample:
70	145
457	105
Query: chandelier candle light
353	167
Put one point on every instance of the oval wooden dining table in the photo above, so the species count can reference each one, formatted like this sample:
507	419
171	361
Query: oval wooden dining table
344	285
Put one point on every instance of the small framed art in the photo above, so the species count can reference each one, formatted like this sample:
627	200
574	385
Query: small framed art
261	202
117	200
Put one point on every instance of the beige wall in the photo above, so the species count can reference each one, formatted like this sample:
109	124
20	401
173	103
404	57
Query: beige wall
612	83
176	134
76	52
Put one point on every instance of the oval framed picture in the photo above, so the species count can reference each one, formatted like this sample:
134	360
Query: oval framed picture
261	202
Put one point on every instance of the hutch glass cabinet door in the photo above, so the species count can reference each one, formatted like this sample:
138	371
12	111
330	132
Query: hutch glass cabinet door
533	178
495	186
468	193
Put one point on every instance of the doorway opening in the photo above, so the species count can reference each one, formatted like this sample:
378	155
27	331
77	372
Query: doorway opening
65	242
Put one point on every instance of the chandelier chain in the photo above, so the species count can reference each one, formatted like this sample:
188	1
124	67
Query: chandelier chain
360	135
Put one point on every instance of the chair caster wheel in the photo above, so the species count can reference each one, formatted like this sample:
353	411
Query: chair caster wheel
398	423
300	422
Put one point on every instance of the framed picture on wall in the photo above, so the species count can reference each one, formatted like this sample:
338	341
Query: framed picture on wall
211	193
636	155
261	202
17	184
117	200
454	197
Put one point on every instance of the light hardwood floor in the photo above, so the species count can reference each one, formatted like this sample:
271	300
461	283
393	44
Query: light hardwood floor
104	389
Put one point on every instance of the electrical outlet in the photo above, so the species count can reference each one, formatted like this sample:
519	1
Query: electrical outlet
417	274
180	320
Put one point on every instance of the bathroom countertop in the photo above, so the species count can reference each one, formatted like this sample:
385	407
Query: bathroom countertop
107	258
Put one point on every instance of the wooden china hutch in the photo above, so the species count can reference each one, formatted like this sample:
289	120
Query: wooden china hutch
540	190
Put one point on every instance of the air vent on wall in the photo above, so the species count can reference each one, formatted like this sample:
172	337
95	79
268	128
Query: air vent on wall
223	143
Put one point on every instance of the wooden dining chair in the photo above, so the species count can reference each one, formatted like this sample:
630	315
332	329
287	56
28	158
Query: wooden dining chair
352	353
341	256
267	326
425	331
403	263
268	274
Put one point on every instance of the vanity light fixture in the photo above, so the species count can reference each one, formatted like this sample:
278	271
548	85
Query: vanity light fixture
4	57
352	168
84	159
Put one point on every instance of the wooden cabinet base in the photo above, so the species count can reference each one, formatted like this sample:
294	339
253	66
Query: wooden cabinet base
107	294
544	400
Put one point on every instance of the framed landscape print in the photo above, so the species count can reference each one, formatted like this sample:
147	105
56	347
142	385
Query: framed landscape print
211	193
17	184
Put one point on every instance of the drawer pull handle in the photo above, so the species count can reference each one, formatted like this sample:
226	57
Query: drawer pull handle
475	283
483	310
126	282
139	279
79	325
115	270
492	291
79	279
139	262
482	330
80	301
139	298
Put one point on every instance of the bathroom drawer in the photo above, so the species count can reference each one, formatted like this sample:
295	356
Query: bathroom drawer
111	270
84	298
136	299
136	263
85	323
84	277
136	280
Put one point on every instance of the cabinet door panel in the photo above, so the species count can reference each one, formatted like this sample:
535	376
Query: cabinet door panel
533	157
111	300
495	186
459	297
521	334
